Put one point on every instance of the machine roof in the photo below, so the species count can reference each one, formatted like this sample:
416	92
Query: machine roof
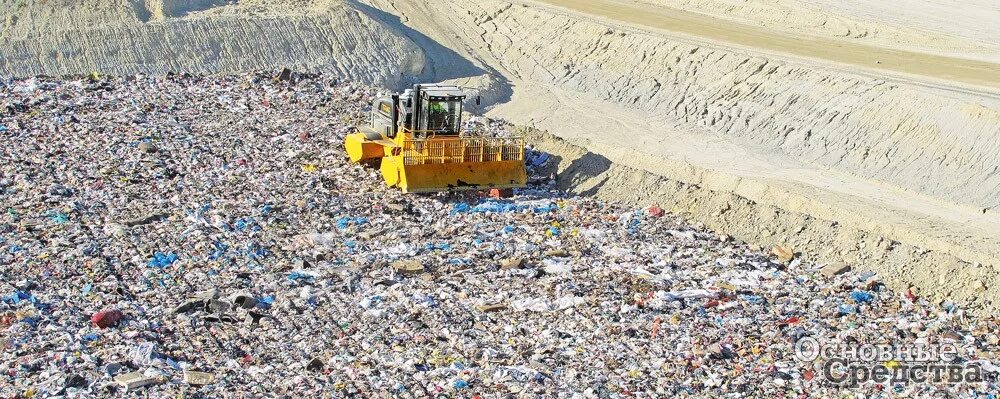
442	91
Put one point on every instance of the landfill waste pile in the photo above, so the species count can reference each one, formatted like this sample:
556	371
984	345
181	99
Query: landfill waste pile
187	236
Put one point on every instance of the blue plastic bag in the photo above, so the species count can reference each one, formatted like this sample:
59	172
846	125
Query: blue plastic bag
162	260
862	296
300	277
347	221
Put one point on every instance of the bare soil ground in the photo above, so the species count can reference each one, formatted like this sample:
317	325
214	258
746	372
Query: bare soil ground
914	25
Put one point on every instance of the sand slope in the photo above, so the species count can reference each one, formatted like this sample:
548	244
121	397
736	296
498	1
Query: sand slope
214	37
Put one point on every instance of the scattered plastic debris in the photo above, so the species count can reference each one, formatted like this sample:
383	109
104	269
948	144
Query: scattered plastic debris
219	214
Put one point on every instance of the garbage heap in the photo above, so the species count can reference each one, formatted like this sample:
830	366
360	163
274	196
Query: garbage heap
188	236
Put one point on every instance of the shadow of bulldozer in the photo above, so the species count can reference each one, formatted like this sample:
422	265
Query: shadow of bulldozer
584	175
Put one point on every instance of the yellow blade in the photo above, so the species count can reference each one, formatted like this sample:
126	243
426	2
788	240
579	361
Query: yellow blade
455	176
455	163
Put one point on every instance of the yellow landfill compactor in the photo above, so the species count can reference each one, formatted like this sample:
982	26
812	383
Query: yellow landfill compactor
417	142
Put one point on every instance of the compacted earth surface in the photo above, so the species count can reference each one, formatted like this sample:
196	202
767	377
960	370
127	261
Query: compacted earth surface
186	236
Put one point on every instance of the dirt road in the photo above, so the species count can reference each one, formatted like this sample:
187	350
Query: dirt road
959	70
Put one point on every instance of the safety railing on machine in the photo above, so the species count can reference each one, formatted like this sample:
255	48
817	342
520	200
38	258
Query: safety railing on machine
462	149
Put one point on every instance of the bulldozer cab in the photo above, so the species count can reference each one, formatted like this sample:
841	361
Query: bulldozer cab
438	110
425	110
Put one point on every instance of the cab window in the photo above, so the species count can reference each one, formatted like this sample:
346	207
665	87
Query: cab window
385	108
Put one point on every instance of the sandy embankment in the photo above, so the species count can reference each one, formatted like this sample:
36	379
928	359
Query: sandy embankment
959	29
877	149
65	37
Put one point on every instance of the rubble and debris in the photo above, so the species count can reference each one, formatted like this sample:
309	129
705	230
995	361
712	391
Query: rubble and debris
106	318
135	379
835	269
784	254
198	378
147	147
408	266
271	279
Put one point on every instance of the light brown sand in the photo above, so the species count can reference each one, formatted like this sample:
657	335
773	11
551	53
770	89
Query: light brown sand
861	55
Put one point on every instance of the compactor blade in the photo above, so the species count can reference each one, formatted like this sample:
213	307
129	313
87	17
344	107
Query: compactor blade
453	164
